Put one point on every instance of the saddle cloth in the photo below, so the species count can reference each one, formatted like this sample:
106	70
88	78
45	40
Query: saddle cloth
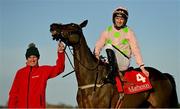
133	82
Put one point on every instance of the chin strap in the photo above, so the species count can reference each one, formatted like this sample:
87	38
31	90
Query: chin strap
118	28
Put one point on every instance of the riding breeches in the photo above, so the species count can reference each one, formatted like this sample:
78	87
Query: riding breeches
122	61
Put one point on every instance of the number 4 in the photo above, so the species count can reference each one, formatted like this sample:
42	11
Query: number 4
139	78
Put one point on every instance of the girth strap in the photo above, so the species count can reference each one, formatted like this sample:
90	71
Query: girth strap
89	86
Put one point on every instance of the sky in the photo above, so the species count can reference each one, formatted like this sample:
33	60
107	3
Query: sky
155	23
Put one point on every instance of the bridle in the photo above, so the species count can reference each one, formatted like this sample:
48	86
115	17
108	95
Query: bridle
68	44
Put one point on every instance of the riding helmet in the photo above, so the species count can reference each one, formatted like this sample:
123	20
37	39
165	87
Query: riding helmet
120	12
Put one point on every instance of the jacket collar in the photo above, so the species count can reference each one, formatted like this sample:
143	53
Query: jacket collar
28	66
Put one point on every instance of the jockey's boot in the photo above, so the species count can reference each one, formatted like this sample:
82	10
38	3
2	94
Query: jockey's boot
113	67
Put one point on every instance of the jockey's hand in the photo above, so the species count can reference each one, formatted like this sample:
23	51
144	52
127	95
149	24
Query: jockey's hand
61	47
96	55
144	71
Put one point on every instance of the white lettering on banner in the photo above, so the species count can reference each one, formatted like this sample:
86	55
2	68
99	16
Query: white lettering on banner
137	88
139	78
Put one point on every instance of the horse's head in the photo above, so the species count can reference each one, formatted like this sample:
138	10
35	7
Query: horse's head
68	33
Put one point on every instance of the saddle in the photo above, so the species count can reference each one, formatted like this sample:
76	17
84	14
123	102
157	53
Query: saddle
132	82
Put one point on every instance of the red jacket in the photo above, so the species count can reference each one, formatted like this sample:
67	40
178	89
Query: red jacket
29	86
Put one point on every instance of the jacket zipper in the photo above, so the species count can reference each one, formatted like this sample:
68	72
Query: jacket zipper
29	76
40	100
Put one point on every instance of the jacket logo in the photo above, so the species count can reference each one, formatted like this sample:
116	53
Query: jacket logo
36	76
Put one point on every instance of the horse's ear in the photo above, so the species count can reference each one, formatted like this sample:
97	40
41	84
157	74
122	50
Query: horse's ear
83	24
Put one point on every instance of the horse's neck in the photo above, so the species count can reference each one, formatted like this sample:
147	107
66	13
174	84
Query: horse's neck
85	64
83	54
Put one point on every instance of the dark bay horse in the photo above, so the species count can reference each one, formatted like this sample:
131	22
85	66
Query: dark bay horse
90	71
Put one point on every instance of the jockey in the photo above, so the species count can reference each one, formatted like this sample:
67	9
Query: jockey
120	43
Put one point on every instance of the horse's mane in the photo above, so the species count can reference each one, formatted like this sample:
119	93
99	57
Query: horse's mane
91	53
94	58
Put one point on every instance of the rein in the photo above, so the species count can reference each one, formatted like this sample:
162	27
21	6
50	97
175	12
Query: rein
86	67
77	58
84	86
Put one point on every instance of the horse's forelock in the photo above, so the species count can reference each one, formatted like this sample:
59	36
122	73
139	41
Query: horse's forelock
54	26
